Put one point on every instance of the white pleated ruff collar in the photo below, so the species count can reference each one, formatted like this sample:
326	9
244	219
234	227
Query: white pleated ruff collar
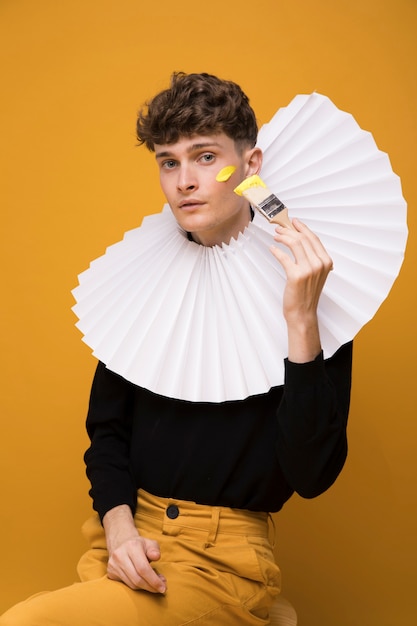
185	320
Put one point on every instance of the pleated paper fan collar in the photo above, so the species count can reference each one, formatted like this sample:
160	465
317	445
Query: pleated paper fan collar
206	324
186	321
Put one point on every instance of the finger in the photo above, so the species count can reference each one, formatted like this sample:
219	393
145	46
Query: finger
299	255
130	564
152	581
315	243
143	579
306	247
152	550
281	256
146	572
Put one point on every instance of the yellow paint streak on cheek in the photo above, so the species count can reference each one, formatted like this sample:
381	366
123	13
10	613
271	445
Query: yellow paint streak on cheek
225	173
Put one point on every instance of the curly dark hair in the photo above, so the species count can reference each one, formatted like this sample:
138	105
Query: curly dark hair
197	104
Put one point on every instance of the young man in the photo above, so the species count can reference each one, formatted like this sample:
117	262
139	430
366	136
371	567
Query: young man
183	489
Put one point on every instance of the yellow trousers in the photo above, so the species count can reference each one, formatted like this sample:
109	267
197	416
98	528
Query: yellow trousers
218	563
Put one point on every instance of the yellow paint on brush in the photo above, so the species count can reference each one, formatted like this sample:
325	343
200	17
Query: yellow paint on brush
248	183
225	173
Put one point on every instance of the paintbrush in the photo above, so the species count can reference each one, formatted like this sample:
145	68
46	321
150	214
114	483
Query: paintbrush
259	196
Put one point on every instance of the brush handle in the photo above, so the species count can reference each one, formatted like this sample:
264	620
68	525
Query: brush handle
282	219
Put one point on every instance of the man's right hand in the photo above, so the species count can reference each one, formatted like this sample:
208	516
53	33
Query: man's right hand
130	554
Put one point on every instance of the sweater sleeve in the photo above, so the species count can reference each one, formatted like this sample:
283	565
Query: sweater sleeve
109	427
312	421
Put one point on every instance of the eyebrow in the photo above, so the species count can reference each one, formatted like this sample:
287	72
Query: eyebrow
192	148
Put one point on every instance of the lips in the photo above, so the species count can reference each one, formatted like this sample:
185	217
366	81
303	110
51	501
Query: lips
190	204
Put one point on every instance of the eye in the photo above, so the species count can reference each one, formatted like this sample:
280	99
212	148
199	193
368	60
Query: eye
208	157
169	164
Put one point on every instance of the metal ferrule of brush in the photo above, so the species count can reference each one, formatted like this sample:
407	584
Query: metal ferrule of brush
271	206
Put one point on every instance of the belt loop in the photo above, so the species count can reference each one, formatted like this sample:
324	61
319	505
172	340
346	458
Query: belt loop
214	527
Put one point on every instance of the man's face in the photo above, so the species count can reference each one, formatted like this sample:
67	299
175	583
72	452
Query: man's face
208	209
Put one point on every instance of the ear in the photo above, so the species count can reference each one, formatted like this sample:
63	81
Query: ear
253	161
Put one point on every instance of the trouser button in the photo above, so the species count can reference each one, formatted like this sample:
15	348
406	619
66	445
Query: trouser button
172	511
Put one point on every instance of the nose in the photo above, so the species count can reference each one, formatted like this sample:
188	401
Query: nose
187	180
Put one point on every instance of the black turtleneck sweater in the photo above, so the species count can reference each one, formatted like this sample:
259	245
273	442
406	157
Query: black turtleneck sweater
248	454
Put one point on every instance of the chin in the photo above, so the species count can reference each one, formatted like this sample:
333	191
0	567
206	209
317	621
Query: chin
193	223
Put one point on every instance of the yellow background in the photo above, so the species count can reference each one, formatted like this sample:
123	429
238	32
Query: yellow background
73	74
